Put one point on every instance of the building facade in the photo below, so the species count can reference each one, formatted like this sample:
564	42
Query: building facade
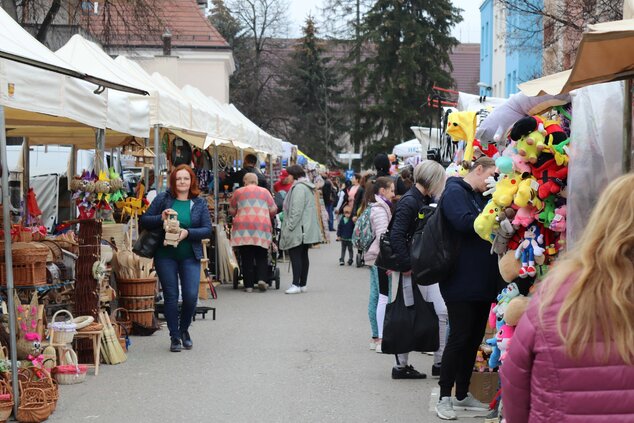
486	47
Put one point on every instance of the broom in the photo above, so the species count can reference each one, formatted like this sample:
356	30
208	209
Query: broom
112	350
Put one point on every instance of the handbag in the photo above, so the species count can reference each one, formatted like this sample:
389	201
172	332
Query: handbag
148	242
410	328
387	258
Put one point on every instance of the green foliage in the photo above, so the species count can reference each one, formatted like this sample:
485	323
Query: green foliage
310	84
411	43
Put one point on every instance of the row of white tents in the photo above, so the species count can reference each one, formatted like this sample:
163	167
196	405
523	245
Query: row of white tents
75	109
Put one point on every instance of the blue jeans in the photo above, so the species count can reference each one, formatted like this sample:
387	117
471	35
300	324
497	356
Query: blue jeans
169	270
331	218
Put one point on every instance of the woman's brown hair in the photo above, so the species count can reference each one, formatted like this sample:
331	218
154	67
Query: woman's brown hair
194	191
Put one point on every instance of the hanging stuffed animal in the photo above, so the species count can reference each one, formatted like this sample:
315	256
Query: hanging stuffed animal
504	232
486	222
461	126
548	213
503	338
531	246
550	176
506	189
558	224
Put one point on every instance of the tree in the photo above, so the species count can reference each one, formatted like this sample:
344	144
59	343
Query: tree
311	86
411	42
106	19
564	22
254	84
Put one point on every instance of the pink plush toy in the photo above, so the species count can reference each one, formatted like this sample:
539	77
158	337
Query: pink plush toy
558	223
503	338
525	216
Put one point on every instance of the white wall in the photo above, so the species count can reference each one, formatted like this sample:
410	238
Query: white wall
499	51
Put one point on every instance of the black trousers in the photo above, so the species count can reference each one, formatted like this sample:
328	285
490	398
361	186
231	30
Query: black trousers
299	264
384	281
467	323
254	264
346	245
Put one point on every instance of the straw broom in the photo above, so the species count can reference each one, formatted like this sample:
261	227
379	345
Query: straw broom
112	350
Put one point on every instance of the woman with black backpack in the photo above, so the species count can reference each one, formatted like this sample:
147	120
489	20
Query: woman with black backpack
430	182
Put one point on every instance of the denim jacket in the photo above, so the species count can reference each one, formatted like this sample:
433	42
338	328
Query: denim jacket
199	229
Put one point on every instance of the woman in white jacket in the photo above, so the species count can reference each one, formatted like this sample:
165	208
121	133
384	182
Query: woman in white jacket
380	216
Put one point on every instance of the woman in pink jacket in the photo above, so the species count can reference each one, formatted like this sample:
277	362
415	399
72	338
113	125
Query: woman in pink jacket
572	356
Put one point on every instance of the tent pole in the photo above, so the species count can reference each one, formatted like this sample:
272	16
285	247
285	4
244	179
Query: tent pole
627	130
156	159
146	171
73	170
8	260
216	197
100	150
26	175
271	172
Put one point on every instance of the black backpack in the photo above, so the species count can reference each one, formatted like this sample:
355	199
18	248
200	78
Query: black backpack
435	247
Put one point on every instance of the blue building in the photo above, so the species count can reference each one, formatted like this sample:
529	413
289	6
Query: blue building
519	38
486	47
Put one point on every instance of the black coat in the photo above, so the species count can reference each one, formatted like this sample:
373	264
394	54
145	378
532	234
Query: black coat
476	275
239	176
404	224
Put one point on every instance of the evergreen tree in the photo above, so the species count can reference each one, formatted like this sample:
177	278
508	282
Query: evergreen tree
411	43
311	87
228	26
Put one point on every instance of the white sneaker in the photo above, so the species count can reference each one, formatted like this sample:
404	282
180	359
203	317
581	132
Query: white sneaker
248	290
469	404
378	348
304	289
294	289
444	409
262	286
373	345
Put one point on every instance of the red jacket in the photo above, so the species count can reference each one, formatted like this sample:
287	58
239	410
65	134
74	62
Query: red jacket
541	383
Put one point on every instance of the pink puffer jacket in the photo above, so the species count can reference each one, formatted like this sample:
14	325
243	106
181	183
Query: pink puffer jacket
541	383
380	216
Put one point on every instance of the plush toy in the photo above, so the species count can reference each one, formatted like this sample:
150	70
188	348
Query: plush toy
520	165
525	216
504	298
558	223
554	132
486	222
503	338
504	232
509	267
530	134
551	176
480	365
492	183
461	126
548	213
527	193
504	164
559	151
516	309
489	150
529	248
494	359
506	189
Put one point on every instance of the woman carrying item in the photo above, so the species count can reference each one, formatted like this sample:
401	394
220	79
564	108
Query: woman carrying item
183	261
300	228
572	356
430	181
380	216
253	208
468	291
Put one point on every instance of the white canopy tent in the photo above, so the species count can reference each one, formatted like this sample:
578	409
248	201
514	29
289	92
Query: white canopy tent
408	148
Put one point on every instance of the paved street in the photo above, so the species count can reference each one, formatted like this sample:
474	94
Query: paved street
269	357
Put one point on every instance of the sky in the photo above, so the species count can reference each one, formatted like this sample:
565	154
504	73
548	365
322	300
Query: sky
468	31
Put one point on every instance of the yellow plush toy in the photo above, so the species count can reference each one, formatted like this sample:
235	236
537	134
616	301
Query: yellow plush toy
531	145
527	194
486	222
461	126
506	188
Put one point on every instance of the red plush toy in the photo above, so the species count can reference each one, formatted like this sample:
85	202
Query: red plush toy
551	177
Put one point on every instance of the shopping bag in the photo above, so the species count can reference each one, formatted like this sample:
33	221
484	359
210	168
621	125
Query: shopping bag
413	328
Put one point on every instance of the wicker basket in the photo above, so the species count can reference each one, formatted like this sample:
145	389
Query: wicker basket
34	406
62	332
6	401
70	373
142	317
121	317
29	265
47	384
136	287
137	303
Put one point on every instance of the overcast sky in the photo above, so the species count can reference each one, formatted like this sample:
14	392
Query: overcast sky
468	31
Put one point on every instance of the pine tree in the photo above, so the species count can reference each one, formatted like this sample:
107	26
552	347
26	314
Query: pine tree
411	43
310	85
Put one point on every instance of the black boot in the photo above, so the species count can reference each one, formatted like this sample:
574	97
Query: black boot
176	346
187	341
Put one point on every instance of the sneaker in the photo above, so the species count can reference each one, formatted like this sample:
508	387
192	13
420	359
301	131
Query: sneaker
303	289
407	372
187	341
175	345
373	344
341	262
444	409
248	289
469	404
294	289
378	348
435	370
350	262
262	286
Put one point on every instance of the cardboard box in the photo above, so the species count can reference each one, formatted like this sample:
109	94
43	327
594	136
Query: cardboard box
484	385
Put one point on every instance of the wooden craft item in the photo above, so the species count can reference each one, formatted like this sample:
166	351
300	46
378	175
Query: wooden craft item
172	229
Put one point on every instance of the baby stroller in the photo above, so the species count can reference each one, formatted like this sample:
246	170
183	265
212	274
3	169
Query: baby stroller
273	274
